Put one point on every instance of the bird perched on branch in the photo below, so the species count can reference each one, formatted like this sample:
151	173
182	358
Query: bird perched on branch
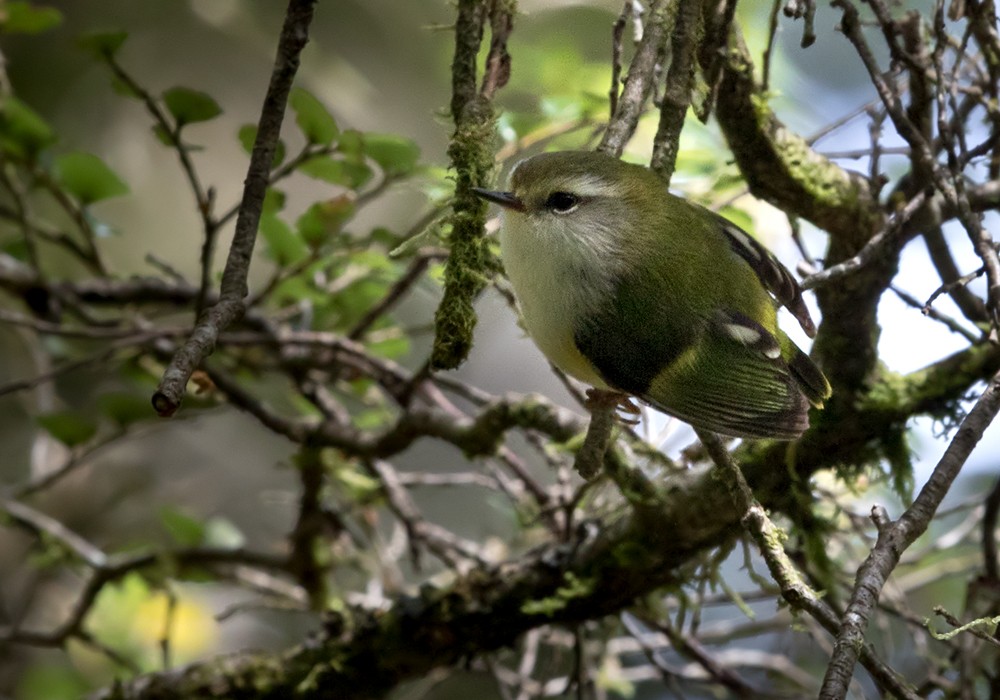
629	288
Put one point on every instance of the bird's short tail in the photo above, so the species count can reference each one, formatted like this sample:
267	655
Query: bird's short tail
810	378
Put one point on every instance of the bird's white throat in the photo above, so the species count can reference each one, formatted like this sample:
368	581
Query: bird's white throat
560	273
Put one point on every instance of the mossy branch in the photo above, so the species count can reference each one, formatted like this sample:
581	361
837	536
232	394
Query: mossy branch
470	264
231	304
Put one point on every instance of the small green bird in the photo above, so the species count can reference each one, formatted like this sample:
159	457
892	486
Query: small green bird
629	288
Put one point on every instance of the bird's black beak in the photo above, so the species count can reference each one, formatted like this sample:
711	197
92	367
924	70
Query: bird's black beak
507	200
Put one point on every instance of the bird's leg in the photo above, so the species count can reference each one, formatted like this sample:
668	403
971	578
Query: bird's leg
627	410
602	406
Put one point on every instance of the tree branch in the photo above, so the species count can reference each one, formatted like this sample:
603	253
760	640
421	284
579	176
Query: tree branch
895	537
471	151
687	33
638	81
230	306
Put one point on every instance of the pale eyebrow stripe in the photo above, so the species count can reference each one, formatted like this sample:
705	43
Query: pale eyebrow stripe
589	186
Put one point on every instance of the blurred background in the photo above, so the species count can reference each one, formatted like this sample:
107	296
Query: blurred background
379	65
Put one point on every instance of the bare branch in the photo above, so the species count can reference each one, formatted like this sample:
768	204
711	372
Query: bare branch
894	538
230	307
680	81
794	588
638	82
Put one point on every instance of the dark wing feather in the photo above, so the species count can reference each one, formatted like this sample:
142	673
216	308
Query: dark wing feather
775	277
733	388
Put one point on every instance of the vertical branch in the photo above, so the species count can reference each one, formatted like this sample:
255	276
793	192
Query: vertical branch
638	82
799	9
717	23
471	153
991	515
920	112
230	307
677	98
617	32
307	537
169	619
204	199
210	227
498	59
982	18
955	190
772	33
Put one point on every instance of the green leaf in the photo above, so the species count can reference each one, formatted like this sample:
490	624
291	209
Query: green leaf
283	245
102	45
324	219
189	106
299	288
22	132
396	155
124	88
163	135
183	529
248	134
738	216
86	177
67	427
317	124
360	487
350	144
18	249
24	18
124	408
384	237
371	418
338	172
436	273
390	346
274	201
51	681
697	161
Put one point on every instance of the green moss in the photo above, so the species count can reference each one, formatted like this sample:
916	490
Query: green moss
470	262
828	184
574	588
897	394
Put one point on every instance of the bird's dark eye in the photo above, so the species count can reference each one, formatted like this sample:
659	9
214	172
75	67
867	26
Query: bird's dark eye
562	202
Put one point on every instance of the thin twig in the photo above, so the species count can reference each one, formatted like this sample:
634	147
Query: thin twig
873	249
417	267
230	307
794	588
929	311
895	537
638	82
687	31
204	199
